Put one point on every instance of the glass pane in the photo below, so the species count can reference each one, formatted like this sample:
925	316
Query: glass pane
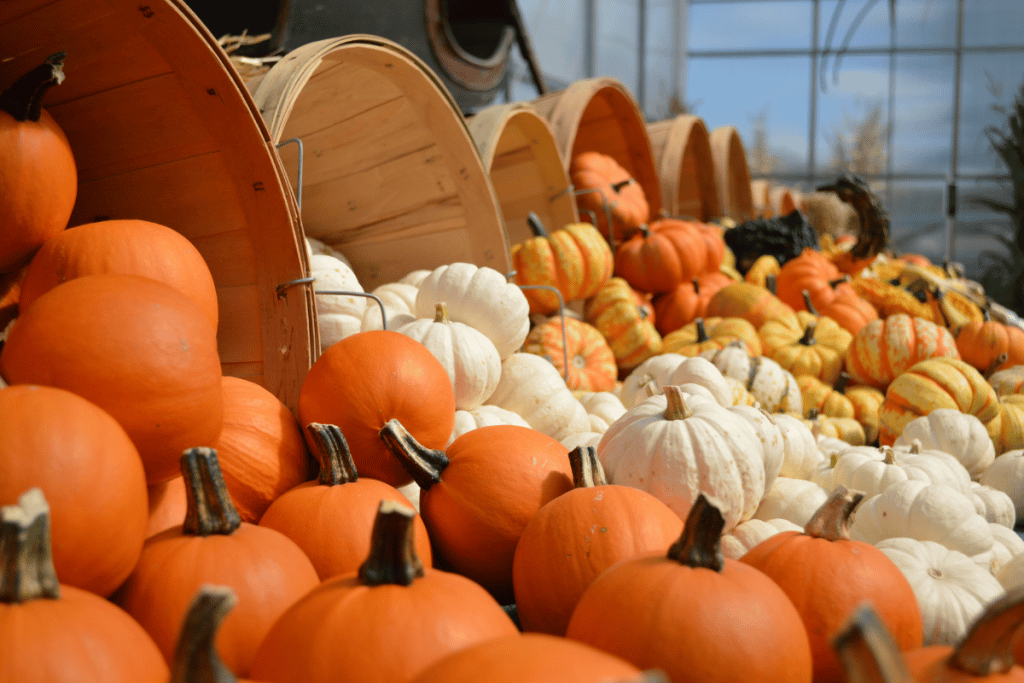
928	23
750	26
774	90
556	32
992	22
923	117
853	118
978	229
989	81
916	215
618	30
868	30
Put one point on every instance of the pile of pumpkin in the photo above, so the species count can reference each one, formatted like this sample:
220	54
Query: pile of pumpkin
691	519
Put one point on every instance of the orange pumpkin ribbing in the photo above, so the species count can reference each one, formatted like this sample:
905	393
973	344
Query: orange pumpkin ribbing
576	260
884	349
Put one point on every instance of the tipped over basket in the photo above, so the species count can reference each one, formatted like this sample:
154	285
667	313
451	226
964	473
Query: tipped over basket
682	150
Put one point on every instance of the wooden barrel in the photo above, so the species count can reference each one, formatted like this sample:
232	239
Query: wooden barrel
162	129
732	174
526	170
760	192
781	200
682	150
391	177
600	114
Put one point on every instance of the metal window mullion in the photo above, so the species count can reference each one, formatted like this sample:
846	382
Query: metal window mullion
641	49
590	37
890	133
858	51
812	123
954	156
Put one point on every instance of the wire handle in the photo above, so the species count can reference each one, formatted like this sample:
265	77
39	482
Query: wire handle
298	175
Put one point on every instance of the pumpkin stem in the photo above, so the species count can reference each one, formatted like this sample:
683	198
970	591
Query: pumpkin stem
622	183
587	471
536	225
700	544
423	464
841	383
867	651
210	510
195	658
771	283
24	99
994	365
834	459
702	333
331	449
987	649
812	413
441	313
807	302
838	281
696	287
393	559
890	454
808	338
676	408
26	556
832	520
916	447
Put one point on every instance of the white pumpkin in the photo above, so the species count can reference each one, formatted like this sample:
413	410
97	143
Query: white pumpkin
774	388
415	277
582	439
676	446
829	445
772	442
1006	473
748	534
338	316
603	408
824	474
925	512
315	247
654	369
873	470
795	500
951	589
802	457
1006	545
702	372
740	395
481	298
469	357
948	430
399	300
532	388
483	416
994	505
1008	381
1011	574
412	492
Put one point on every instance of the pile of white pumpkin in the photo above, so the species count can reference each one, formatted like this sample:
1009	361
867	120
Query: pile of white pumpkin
938	503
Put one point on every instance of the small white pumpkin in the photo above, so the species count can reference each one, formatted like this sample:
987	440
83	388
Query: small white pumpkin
1011	574
802	456
603	408
532	388
676	446
1008	381
701	371
925	512
654	369
775	388
469	357
582	439
748	534
481	298
412	492
771	438
1006	545
399	300
483	416
824	474
873	470
1006	473
795	500
338	316
951	589
415	277
315	247
994	505
948	430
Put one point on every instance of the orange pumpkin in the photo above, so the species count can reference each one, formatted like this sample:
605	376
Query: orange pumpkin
137	348
261	450
195	656
10	295
575	260
849	310
827	576
884	349
266	570
708	334
371	377
37	168
78	455
754	304
633	610
592	364
607	189
578	535
625	318
55	632
669	253
331	518
890	299
124	247
982	343
168	503
383	624
687	302
478	497
811	271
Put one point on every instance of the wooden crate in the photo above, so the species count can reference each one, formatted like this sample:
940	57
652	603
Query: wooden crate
682	150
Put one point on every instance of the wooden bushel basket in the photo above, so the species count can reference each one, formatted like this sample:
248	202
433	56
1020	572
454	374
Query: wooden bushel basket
600	114
162	129
682	149
732	174
390	175
526	169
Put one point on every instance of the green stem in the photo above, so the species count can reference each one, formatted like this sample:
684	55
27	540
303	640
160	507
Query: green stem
841	383
330	447
425	465
771	283
195	658
808	338
807	302
536	225
702	333
210	510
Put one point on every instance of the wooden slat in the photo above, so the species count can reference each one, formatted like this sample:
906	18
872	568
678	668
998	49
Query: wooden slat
232	256
238	332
